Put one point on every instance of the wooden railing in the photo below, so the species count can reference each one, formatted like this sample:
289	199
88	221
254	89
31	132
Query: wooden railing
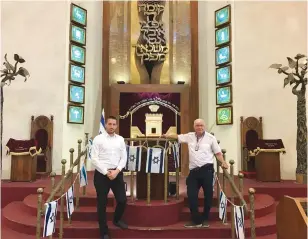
60	187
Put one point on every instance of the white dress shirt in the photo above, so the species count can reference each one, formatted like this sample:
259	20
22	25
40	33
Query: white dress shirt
108	152
207	146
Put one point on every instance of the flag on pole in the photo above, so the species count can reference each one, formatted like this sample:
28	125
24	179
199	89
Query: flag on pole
239	222
70	201
133	158
176	154
102	123
222	206
83	179
50	218
90	144
155	160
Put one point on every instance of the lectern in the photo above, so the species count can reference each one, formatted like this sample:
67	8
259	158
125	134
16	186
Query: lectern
267	160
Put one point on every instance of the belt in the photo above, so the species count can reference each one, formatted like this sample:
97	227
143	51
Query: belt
208	165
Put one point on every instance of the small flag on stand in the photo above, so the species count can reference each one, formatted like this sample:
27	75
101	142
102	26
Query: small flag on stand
155	160
50	218
133	158
176	154
102	123
70	201
222	206
83	178
239	222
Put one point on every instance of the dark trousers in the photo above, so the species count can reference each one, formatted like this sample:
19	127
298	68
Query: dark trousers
102	185
200	177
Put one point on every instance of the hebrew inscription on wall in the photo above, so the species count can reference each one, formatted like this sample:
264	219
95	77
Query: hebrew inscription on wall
152	46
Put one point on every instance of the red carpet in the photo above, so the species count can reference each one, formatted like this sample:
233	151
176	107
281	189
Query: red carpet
156	221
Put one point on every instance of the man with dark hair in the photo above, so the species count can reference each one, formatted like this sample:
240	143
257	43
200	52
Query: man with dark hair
109	158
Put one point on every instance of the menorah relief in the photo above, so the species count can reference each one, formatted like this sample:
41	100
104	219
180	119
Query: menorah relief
151	47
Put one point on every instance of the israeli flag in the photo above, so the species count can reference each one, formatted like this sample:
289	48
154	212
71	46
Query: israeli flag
222	206
50	218
133	158
70	201
155	160
239	222
102	123
83	179
176	154
90	144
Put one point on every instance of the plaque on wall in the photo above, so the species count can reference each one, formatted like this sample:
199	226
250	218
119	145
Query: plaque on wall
77	73
223	16
75	114
224	95
78	15
224	115
224	75
223	36
223	55
77	54
77	35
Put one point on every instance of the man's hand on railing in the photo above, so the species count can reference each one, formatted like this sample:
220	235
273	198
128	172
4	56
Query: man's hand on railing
224	165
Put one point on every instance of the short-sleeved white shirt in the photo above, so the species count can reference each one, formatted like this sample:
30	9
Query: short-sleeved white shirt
208	146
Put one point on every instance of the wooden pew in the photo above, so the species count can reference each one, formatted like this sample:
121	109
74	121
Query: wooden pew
291	218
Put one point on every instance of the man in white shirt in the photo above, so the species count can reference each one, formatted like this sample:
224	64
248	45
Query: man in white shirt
109	157
202	148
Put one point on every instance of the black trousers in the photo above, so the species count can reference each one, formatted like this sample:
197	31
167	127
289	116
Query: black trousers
103	185
200	177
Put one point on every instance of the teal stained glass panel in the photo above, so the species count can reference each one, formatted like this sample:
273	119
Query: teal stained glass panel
78	54
222	36
75	114
223	55
224	115
223	75
79	15
223	95
76	94
78	35
77	73
222	16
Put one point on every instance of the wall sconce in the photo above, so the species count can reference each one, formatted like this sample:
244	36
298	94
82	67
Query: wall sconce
121	82
181	82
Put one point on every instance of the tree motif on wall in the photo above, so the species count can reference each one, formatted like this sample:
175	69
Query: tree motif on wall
8	75
151	47
296	76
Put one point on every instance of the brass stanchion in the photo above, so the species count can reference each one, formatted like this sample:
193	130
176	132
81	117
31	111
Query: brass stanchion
232	199
52	176
177	183
149	188
78	171
166	178
252	191
39	212
84	189
71	163
62	201
241	183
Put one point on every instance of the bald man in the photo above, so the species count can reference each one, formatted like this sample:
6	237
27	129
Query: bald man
202	148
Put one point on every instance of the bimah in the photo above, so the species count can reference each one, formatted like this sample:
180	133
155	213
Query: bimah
267	159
